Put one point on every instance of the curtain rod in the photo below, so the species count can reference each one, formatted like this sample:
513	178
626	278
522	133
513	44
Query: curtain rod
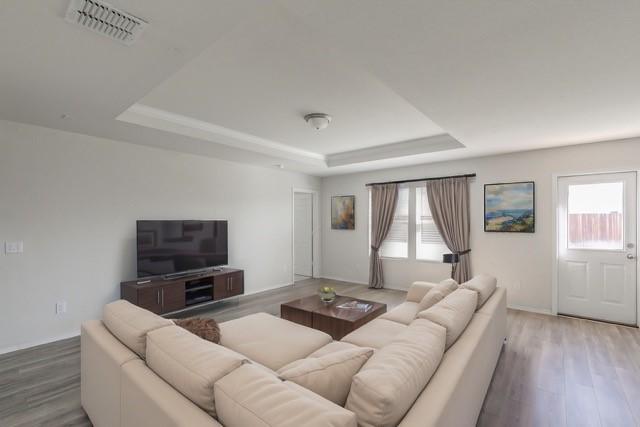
402	181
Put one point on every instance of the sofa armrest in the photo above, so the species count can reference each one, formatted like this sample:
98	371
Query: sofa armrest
101	359
418	290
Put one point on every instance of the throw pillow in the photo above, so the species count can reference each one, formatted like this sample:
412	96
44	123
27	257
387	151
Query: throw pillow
453	313
431	298
437	293
484	285
328	376
206	329
449	285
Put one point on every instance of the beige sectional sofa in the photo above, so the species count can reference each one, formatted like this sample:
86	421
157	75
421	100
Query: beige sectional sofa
427	362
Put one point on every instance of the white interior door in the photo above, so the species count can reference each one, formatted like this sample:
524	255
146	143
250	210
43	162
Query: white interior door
597	246
303	234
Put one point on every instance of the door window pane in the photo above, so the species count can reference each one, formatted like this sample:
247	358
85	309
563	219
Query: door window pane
595	216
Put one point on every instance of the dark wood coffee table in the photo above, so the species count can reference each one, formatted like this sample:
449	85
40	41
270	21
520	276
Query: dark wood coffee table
312	312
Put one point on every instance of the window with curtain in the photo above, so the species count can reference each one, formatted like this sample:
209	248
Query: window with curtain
396	245
412	228
429	243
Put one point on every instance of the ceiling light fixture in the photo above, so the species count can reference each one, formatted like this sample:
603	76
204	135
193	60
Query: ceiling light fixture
318	120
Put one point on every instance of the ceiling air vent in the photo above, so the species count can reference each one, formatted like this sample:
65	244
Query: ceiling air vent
101	17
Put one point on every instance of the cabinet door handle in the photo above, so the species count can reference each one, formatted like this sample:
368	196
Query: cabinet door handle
162	293
231	283
158	296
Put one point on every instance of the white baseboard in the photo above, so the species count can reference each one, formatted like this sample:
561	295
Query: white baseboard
37	343
529	309
339	279
271	288
30	344
403	289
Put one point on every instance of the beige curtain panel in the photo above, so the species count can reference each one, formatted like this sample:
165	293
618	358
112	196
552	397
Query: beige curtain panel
449	204
383	207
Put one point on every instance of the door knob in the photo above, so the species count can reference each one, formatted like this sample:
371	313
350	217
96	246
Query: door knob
631	256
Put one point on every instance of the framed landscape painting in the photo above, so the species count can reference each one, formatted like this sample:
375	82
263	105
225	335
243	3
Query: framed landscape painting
510	207
343	215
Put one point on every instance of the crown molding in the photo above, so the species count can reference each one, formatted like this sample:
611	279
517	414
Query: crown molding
412	147
143	115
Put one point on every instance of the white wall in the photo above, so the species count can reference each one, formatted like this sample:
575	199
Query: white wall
74	200
522	262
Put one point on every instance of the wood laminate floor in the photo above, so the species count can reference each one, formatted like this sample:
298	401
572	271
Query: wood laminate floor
554	371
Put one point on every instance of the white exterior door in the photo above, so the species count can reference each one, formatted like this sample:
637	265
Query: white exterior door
303	234
597	246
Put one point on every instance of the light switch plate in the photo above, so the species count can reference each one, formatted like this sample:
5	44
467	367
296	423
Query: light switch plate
13	247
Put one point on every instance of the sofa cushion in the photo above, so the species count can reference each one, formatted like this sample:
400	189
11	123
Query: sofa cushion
249	396
269	340
483	284
447	285
437	293
130	324
328	376
418	290
375	334
392	379
190	364
101	359
432	297
332	347
145	399
453	313
403	313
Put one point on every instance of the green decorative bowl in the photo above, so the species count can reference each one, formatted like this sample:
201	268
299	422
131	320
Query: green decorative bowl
327	294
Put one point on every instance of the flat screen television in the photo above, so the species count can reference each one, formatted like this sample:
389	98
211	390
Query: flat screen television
166	247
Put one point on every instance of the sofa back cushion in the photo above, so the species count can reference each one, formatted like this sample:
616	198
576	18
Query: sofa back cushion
250	396
375	334
484	285
453	313
333	347
402	313
330	375
130	324
392	379
190	364
432	297
418	289
447	286
437	293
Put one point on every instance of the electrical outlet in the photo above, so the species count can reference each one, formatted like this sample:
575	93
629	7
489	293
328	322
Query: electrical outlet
61	307
13	247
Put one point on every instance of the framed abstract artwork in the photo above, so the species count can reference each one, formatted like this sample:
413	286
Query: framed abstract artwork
343	212
510	207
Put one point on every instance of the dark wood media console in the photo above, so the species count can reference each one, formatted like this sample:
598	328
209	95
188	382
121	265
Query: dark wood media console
163	296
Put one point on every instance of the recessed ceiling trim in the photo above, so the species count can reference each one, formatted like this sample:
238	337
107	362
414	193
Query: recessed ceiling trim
412	147
144	115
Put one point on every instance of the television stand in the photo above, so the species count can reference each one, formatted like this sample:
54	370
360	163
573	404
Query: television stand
163	295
